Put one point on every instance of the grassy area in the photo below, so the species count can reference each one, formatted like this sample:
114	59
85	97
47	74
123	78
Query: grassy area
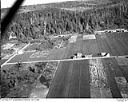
7	52
9	48
54	54
32	47
40	45
2	61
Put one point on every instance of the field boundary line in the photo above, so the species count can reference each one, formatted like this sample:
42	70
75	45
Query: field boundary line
62	60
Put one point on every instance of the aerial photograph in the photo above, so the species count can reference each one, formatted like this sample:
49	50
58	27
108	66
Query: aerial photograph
64	49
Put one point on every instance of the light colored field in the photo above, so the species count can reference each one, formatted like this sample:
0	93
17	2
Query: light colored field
40	91
77	8
7	50
54	54
7	56
19	46
21	58
7	46
123	86
73	39
98	80
40	54
86	37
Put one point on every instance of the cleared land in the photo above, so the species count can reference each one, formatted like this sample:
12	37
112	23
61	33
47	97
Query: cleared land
103	43
115	44
97	78
54	54
88	78
32	47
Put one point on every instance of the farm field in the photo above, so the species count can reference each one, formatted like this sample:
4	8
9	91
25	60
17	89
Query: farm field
87	78
32	47
94	78
115	43
103	43
21	57
54	54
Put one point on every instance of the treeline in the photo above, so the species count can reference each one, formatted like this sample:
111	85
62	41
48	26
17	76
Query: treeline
34	24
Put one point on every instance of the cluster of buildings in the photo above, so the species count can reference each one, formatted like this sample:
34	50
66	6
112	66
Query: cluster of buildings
111	31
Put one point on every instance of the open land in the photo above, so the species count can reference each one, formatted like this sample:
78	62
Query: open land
99	43
85	78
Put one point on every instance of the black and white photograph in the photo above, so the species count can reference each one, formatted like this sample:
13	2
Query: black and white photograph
64	49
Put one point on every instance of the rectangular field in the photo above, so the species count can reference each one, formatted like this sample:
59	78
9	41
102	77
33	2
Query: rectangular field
114	43
87	37
95	78
54	54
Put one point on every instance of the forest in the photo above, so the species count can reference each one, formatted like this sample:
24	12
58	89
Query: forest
48	21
